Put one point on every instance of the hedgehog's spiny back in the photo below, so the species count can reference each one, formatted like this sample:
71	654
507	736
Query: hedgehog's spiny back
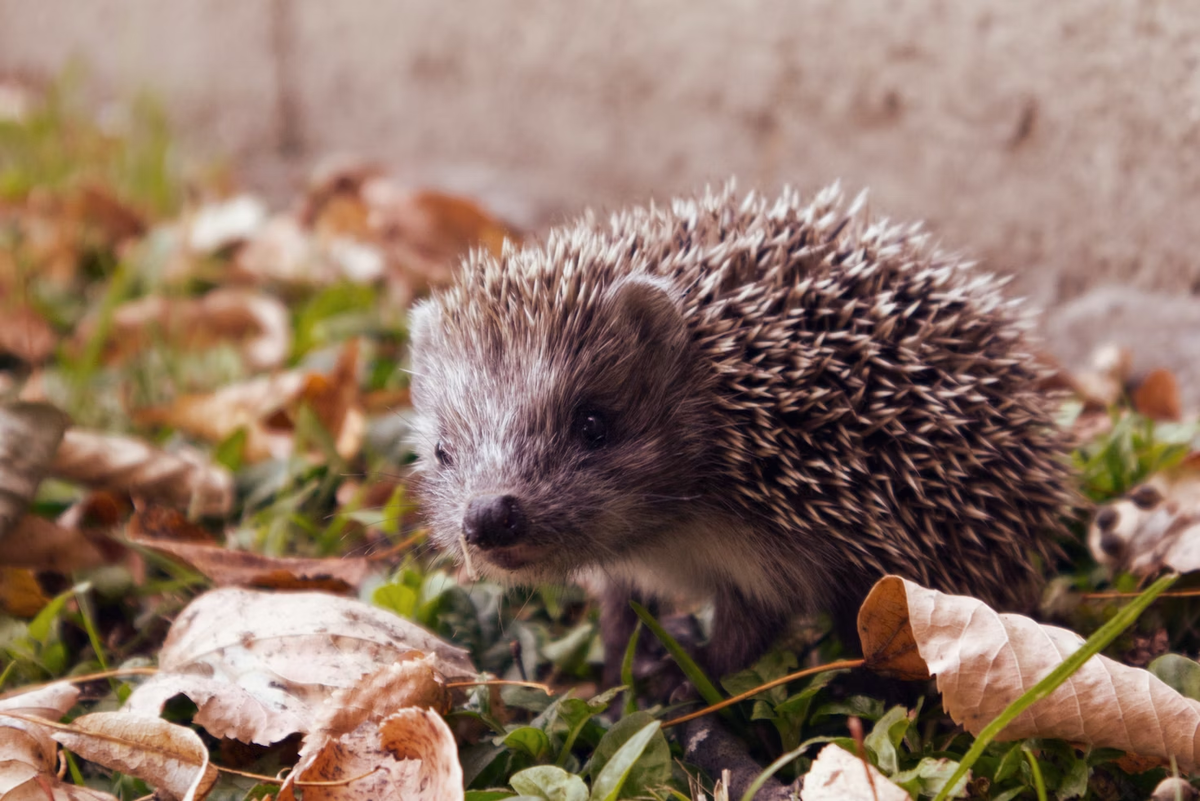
879	396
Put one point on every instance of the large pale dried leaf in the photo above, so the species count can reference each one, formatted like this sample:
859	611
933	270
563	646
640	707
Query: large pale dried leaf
250	705
259	664
838	775
29	437
984	661
25	334
1155	525
256	323
38	544
244	569
170	757
123	464
410	755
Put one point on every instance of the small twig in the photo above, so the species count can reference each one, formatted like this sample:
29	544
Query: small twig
514	648
258	777
104	674
842	665
501	683
856	731
339	782
1097	596
400	547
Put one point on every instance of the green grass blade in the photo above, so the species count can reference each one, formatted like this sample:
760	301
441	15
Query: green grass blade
608	784
695	675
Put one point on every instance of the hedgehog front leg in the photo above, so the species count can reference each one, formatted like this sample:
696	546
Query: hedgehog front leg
742	631
617	622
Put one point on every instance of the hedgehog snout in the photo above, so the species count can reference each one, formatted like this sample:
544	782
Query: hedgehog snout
494	521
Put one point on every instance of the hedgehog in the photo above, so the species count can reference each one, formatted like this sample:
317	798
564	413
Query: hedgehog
757	402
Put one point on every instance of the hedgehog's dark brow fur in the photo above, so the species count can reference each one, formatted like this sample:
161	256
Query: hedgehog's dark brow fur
849	402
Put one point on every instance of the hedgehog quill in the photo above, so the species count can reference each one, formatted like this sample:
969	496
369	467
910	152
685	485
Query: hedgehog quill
764	403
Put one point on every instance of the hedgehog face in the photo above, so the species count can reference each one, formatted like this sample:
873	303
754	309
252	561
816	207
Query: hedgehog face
552	438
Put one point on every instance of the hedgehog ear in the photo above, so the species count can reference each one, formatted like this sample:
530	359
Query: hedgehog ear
644	309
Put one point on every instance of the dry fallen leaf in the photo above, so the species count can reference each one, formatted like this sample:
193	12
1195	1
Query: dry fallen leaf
20	594
422	234
244	569
335	400
1154	525
259	664
887	636
266	408
218	225
1158	397
152	525
984	660
29	437
50	702
123	464
411	754
249	405
170	757
39	544
1174	788
287	253
838	775
413	682
107	221
25	334
257	323
1103	382
28	754
441	226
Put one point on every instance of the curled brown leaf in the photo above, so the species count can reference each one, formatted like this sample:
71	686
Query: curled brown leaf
123	464
984	660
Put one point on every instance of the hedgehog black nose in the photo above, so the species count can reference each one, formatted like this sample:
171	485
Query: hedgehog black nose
1106	519
494	521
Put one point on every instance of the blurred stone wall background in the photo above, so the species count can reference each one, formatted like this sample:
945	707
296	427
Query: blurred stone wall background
1058	141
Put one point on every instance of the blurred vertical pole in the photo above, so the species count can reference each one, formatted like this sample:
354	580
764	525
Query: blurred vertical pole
289	138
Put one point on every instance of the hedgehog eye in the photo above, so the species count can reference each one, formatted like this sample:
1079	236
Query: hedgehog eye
439	450
1145	497
591	427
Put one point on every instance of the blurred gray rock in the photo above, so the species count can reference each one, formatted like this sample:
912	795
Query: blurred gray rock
1160	330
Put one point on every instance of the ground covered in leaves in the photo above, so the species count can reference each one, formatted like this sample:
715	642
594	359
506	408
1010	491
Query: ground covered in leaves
203	499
